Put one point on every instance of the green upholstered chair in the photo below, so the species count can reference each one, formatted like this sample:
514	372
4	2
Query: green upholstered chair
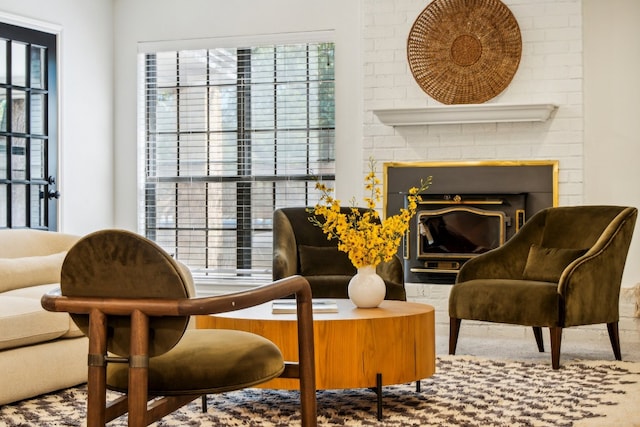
134	302
301	248
563	268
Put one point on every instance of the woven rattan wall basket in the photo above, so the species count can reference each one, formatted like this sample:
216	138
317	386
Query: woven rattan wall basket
464	51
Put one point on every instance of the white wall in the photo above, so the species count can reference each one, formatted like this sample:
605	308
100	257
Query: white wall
158	20
86	98
612	110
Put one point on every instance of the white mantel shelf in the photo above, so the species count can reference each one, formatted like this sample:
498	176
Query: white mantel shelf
465	113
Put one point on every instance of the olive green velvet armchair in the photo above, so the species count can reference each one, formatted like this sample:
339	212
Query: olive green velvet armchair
134	302
563	268
301	248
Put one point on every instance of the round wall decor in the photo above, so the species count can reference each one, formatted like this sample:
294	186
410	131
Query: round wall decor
464	51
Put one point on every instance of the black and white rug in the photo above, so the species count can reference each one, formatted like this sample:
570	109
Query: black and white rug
465	391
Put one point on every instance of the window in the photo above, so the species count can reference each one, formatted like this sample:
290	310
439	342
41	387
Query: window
28	128
230	134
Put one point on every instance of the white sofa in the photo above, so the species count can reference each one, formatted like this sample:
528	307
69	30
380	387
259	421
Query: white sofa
40	351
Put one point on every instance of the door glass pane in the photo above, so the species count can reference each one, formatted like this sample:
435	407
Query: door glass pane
19	159
18	111
3	204
19	205
37	67
18	64
3	110
3	61
38	202
37	113
3	159
37	159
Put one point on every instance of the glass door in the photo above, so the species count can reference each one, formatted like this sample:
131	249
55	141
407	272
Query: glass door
28	129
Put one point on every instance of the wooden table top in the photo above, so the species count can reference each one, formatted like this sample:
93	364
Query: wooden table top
346	311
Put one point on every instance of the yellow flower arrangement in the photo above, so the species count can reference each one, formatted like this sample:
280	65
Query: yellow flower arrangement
361	233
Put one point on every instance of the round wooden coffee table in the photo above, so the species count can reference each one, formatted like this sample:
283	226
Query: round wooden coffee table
354	348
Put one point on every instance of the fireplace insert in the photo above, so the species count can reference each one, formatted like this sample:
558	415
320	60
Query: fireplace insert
449	230
495	196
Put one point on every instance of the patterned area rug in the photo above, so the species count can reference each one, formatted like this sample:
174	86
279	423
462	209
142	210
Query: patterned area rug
465	391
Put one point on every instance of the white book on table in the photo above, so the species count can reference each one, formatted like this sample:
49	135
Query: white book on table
320	305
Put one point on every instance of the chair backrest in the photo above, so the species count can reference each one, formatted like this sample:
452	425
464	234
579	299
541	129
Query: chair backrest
578	227
305	246
122	264
304	231
583	228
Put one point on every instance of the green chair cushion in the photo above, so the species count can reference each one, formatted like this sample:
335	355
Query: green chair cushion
519	302
207	361
547	264
323	261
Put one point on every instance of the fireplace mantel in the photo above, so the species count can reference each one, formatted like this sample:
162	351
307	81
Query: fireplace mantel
465	113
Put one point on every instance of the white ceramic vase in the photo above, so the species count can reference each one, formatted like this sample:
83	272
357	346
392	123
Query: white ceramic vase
366	288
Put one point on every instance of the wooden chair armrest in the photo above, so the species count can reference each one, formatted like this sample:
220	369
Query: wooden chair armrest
54	301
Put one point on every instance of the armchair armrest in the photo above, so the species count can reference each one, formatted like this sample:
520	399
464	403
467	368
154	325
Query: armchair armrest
284	263
597	275
285	249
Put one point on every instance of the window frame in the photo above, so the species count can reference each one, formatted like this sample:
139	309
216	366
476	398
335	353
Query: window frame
245	229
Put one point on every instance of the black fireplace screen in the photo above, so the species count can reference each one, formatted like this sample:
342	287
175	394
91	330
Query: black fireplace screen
459	231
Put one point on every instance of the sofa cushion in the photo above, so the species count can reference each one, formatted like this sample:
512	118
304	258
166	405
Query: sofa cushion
547	264
28	271
324	261
23	321
23	242
35	293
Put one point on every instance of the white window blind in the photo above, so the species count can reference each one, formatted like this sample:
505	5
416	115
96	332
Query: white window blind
230	134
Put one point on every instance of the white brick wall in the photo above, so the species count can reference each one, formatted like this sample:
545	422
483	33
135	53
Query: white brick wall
550	71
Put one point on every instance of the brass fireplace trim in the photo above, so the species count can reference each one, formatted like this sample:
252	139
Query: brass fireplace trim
464	164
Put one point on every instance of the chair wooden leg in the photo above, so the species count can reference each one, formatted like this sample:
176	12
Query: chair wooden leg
454	330
614	337
97	370
306	354
138	370
556	341
537	332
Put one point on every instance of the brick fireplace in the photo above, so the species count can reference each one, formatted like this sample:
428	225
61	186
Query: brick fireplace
470	208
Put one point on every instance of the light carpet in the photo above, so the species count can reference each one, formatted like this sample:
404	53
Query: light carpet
465	391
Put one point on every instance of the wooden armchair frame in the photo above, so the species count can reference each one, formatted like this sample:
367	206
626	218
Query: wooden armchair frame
140	310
